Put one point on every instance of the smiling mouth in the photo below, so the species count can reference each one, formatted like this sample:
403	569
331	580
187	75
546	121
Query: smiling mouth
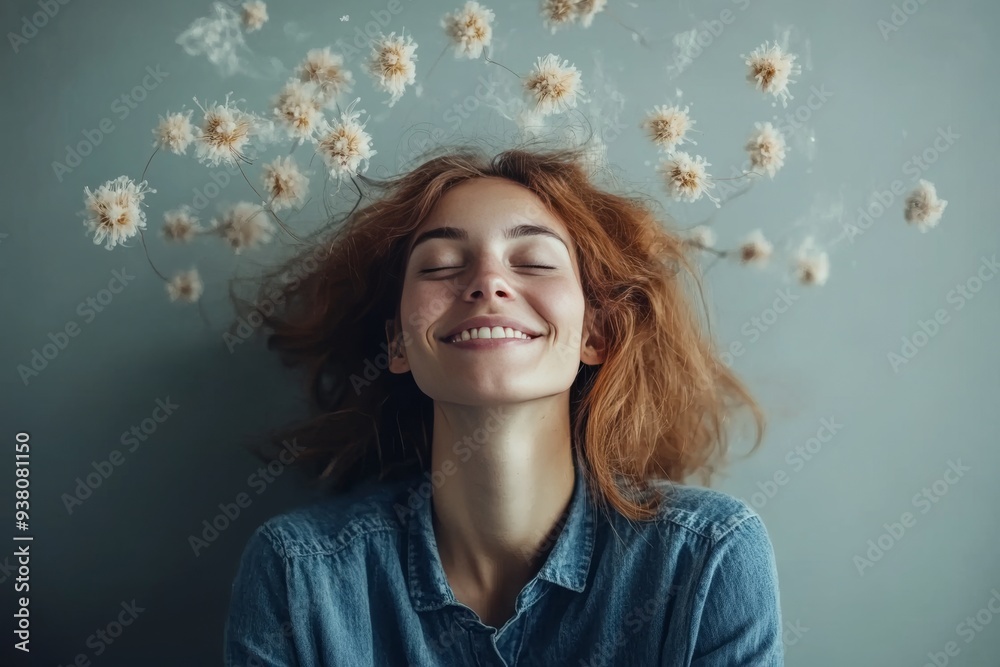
487	342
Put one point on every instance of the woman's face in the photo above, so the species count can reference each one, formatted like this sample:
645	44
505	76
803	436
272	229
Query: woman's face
472	265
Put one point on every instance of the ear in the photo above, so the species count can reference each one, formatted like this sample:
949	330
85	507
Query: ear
593	347
395	349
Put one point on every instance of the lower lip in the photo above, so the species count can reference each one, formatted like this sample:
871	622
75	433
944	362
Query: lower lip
489	343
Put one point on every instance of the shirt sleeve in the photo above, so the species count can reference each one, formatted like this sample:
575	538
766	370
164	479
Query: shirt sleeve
258	629
737	610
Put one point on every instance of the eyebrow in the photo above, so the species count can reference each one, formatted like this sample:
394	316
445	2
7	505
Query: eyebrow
515	232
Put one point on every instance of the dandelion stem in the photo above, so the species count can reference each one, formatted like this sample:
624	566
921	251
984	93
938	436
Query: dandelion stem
146	250
267	204
487	57
638	36
147	164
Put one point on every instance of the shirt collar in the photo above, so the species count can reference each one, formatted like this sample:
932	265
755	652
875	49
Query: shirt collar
567	564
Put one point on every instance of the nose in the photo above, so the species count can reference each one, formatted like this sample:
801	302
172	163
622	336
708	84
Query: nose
487	280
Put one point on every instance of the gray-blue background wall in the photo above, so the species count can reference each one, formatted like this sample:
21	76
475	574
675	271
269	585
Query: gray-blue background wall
889	92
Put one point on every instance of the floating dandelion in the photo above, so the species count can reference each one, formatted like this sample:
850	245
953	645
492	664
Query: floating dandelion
766	148
667	126
755	249
185	286
686	178
114	211
587	9
244	225
923	208
702	236
225	131
285	183
558	13
174	132
771	69
811	266
553	86
180	225
299	109
469	29
326	69
344	145
254	15
391	64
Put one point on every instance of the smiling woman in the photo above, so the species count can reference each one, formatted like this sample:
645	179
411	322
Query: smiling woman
513	490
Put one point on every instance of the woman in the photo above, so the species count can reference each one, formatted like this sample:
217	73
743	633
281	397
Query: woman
520	449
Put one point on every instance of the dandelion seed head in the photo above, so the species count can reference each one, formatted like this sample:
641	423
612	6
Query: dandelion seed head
186	286
174	132
344	145
392	65
299	108
702	236
755	250
685	177
180	225
254	15
326	69
812	268
225	132
586	10
922	207
667	126
553	86
244	225
558	13
469	29
286	185
766	148
770	69
114	210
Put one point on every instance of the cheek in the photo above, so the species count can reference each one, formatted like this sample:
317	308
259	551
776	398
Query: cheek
423	304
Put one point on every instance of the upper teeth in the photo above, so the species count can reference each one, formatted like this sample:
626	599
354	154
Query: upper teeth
487	332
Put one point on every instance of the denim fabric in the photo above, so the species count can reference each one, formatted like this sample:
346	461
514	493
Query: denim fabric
356	580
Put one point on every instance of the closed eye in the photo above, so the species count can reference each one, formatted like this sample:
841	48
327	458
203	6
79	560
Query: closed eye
526	266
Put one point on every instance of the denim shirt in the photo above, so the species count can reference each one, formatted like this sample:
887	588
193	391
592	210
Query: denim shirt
356	579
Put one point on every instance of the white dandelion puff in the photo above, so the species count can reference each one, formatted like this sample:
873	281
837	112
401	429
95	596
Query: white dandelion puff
702	236
558	13
345	17
244	225
392	65
254	15
685	177
224	133
299	109
174	132
811	265
766	148
345	145
186	286
180	225
326	69
469	29
286	185
923	208
667	126
114	210
770	69
554	86
755	249
586	10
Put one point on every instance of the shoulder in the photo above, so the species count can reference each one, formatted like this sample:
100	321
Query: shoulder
699	511
332	524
